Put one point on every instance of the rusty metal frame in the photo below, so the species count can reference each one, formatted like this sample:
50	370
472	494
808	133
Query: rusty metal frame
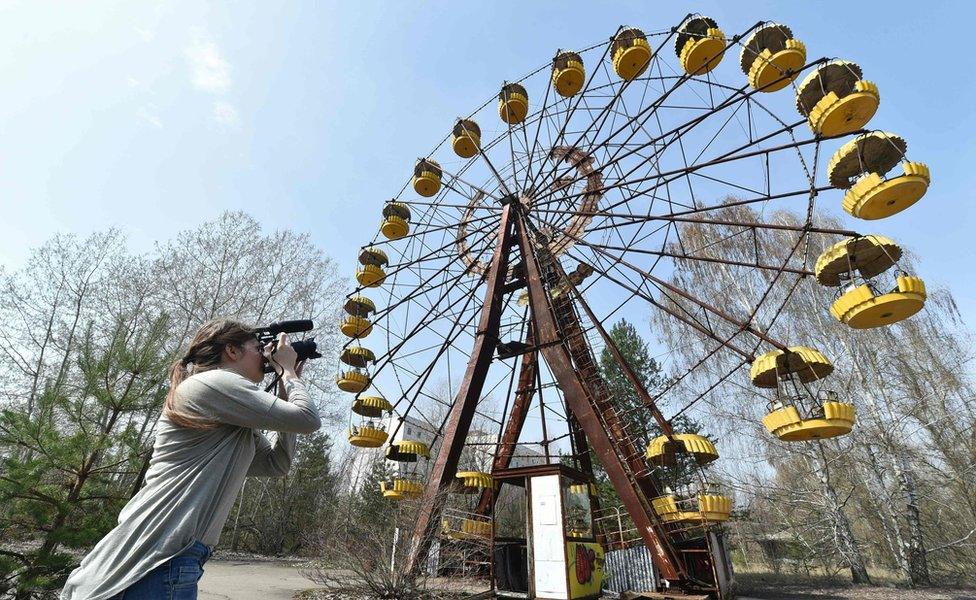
513	428
462	412
583	406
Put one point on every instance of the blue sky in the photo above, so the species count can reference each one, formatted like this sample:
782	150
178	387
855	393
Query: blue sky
156	116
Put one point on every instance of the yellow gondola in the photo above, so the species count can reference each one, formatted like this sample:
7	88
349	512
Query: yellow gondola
478	529
467	529
352	381
861	259
772	58
862	308
367	436
373	256
357	356
473	482
359	306
699	45
371	406
630	52
466	138
371	274
568	74
801	362
407	451
399	488
661	451
831	420
583	488
396	220
513	103
427	177
860	166
355	327
836	100
710	508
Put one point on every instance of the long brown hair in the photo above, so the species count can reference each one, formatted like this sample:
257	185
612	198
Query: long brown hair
205	353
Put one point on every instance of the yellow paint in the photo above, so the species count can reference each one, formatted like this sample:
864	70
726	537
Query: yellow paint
861	309
873	197
712	508
514	109
367	437
806	363
838	116
352	381
632	61
357	356
870	254
359	306
394	227
371	406
699	56
786	424
466	145
585	569
569	81
474	481
427	184
703	450
398	489
370	276
407	450
772	72
355	327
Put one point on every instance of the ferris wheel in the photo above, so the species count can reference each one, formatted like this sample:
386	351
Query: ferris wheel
559	205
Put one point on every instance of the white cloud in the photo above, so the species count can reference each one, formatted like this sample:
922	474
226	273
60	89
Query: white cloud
147	35
208	69
225	113
148	114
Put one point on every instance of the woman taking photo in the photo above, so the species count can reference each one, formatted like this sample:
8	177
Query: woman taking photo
208	440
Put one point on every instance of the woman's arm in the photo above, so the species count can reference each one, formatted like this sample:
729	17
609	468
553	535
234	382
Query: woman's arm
272	460
227	397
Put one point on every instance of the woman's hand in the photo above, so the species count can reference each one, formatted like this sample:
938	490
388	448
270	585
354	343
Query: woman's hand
282	355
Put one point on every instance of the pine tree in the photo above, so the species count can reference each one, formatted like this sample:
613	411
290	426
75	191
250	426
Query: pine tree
62	482
637	418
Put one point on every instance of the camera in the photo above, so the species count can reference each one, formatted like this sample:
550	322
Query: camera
305	349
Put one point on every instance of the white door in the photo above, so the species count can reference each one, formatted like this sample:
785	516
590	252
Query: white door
548	547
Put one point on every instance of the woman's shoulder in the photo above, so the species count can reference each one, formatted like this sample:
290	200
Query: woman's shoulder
216	379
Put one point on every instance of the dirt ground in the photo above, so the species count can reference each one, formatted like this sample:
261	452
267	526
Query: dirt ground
768	587
244	579
252	580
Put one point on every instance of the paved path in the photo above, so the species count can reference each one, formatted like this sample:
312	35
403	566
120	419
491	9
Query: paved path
246	580
249	580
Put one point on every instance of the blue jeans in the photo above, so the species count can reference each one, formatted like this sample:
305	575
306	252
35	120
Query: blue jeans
175	579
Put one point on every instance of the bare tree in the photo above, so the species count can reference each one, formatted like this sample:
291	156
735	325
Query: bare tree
89	332
913	448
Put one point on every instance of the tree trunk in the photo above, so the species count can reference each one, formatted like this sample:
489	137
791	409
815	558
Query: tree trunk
914	550
896	544
843	533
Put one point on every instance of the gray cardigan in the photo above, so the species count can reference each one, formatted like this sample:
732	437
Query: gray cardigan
194	477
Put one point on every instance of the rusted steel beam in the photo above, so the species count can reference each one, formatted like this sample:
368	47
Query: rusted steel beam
748	356
583	406
628	372
724	261
632	218
516	420
743	325
462	411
